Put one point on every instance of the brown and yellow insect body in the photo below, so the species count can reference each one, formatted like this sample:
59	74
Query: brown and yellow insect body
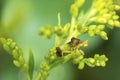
74	45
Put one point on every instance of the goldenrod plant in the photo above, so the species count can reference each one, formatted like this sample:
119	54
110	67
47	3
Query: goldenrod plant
68	46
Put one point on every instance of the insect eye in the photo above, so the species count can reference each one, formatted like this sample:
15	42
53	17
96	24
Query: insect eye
58	51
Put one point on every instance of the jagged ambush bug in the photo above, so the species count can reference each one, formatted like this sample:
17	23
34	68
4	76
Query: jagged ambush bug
66	49
58	51
77	43
74	42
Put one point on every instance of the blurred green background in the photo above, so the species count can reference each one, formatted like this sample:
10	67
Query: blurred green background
21	20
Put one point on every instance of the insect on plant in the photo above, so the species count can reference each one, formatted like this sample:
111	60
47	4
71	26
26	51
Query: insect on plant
73	44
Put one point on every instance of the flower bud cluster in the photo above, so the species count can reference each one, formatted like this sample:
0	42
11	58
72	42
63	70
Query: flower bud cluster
44	66
105	15
60	31
11	47
46	32
98	60
51	56
97	30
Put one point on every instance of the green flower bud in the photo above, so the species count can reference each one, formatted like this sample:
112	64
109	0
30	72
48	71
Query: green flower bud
117	23
100	60
115	17
102	20
104	35
100	27
67	58
98	64
16	47
16	63
47	68
92	27
52	57
89	63
46	32
91	33
79	3
74	10
15	54
82	29
113	13
81	65
111	23
96	56
107	16
9	40
13	44
2	40
21	60
102	63
43	64
104	57
58	30
66	27
91	60
97	31
47	56
6	47
117	7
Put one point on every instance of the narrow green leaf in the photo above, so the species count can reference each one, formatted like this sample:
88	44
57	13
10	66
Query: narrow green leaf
31	63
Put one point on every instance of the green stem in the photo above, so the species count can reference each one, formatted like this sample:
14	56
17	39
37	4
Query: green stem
38	76
72	30
28	77
73	21
59	20
70	36
57	41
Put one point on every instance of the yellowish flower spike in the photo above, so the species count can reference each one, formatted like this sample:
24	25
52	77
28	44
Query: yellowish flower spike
11	47
93	21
